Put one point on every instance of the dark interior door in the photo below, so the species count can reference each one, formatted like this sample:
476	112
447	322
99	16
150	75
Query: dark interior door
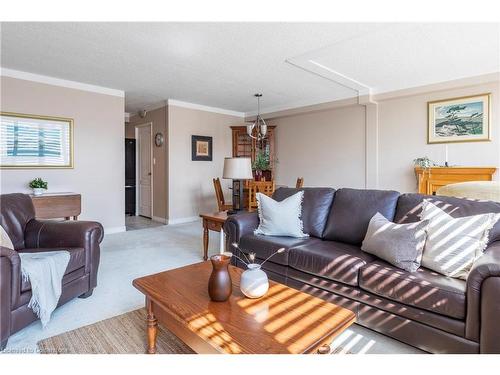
130	183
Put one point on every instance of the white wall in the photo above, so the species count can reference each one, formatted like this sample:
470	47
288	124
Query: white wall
98	172
190	186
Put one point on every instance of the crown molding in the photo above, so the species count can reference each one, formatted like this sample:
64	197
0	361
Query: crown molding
59	82
178	103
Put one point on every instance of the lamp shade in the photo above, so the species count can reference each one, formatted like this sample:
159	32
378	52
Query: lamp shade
237	169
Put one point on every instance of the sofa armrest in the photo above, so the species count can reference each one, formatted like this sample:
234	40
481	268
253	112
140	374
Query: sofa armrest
486	267
56	234
236	226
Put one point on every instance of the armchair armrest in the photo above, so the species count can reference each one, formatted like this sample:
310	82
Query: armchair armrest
56	234
481	297
47	234
10	278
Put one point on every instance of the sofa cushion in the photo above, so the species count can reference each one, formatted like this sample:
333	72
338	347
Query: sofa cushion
315	207
352	210
331	260
76	261
264	246
409	209
423	289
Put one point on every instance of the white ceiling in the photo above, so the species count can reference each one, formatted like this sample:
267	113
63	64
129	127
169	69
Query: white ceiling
223	64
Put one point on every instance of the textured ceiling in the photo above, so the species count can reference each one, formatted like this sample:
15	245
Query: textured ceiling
223	64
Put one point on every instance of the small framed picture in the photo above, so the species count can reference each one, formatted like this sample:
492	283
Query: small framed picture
201	148
464	119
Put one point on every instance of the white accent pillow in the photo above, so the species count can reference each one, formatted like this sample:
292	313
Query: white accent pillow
280	218
453	244
5	240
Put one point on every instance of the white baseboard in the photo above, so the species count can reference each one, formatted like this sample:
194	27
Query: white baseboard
114	230
159	219
183	220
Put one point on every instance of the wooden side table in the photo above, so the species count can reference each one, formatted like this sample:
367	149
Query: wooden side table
214	221
57	205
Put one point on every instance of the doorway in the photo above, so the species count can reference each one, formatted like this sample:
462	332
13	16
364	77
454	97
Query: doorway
144	170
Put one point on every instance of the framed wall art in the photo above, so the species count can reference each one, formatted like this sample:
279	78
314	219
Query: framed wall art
201	148
465	119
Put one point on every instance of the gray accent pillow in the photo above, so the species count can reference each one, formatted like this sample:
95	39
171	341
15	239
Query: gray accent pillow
399	244
280	218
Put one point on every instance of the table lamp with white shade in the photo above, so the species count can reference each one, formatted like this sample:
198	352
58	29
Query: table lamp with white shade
238	170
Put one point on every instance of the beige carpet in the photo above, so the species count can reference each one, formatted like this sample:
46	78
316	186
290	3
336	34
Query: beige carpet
122	334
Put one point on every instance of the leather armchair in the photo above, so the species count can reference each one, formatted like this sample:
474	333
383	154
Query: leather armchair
80	238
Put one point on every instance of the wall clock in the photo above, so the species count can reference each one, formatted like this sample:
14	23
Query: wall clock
158	139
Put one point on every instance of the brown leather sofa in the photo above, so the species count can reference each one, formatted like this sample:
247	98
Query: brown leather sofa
80	238
424	309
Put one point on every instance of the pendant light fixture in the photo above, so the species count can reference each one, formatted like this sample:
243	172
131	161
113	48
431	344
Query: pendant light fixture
257	130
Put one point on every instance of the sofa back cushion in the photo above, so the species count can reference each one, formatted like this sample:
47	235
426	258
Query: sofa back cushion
352	210
16	210
409	209
315	207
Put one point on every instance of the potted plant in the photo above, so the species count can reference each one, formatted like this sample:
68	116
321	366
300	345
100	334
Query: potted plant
38	185
261	163
425	163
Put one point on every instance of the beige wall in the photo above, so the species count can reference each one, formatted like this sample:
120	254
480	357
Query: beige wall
159	119
403	137
190	184
98	172
327	148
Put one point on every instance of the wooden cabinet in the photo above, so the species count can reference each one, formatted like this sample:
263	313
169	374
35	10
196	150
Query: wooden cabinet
245	146
431	179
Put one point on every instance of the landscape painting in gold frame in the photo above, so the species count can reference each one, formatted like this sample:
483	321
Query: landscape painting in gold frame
465	119
32	141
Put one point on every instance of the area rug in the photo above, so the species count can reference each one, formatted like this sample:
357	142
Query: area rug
122	334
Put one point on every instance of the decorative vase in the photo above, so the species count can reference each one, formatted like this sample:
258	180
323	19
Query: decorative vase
254	282
38	191
220	285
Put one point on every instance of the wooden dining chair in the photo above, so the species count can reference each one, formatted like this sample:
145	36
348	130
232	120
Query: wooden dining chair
299	183
254	187
219	195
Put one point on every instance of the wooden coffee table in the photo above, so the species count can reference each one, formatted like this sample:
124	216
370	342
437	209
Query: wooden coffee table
285	320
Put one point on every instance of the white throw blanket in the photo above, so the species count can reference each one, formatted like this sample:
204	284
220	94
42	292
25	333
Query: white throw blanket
44	271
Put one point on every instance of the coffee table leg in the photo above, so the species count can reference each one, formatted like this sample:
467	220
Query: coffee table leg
205	242
152	323
324	349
